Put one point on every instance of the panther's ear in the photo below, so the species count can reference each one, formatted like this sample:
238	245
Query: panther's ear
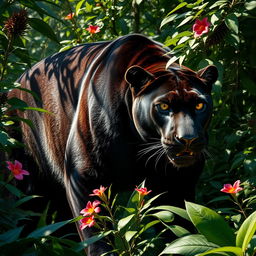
138	77
209	74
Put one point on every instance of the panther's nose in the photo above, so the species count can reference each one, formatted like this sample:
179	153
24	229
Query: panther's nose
185	140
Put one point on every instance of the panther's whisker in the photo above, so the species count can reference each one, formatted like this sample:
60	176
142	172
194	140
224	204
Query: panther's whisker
159	157
158	151
148	149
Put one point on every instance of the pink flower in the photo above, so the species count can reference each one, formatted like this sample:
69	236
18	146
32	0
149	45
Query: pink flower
98	192
69	16
93	29
16	169
201	27
87	222
228	188
91	208
143	191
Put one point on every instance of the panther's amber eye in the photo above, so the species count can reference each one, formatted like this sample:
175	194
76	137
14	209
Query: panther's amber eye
199	106
164	106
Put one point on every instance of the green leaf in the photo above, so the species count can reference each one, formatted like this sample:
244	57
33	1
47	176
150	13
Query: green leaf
178	231
49	10
129	235
150	201
186	20
43	28
78	6
168	20
17	103
177	8
236	250
124	221
90	241
10	235
189	246
25	199
37	109
179	211
48	230
232	22
246	232
15	191
210	224
218	3
250	5
164	216
171	61
149	225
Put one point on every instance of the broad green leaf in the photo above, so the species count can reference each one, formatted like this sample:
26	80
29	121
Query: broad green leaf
165	216
90	241
150	201
189	246
246	232
168	19
17	103
171	61
176	38
43	28
178	231
218	3
48	230
123	222
232	22
186	20
149	225
236	250
78	6
49	10
181	59
33	5
179	211
194	4
250	5
88	7
24	200
10	235
177	8
183	39
210	224
129	235
15	191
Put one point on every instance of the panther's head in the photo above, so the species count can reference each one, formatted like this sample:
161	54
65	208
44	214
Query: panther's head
175	108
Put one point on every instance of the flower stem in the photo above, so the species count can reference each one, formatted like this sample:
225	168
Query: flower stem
239	205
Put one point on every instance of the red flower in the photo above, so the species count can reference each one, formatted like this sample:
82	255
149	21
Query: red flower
91	208
201	27
16	169
87	222
228	188
98	192
69	16
93	29
143	191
